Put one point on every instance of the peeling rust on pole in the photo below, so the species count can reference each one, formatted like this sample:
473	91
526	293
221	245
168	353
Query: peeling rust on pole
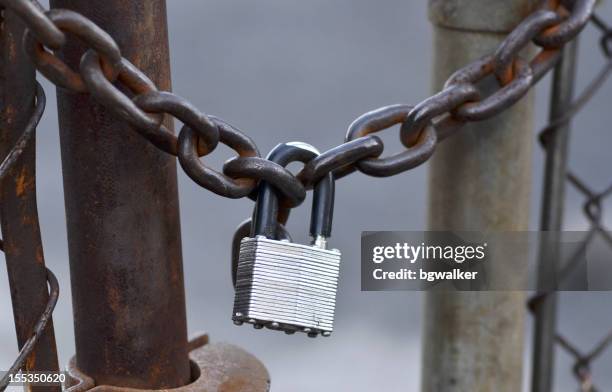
123	218
18	210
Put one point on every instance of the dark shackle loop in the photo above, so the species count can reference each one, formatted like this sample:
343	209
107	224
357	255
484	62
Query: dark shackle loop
165	102
381	119
90	34
322	213
267	207
211	179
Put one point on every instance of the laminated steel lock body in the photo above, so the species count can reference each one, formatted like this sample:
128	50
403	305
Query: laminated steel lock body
280	284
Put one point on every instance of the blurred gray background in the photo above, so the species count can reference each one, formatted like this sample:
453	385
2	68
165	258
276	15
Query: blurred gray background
303	70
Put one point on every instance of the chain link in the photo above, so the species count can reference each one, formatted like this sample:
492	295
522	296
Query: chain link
54	69
383	118
232	187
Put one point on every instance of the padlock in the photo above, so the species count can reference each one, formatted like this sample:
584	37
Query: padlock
280	284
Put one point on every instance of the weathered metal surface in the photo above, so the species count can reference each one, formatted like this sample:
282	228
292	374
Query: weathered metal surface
479	180
244	230
496	16
123	218
18	211
217	367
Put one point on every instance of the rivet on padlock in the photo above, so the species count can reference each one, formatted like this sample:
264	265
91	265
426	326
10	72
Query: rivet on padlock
280	284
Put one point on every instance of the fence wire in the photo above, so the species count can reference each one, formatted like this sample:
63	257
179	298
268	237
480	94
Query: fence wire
593	212
6	165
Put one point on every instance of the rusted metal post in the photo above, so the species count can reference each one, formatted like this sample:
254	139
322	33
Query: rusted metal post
18	211
553	194
123	218
479	180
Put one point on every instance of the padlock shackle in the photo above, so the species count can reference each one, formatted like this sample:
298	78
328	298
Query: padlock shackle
266	212
322	213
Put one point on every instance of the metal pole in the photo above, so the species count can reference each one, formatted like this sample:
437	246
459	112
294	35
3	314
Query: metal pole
479	180
18	211
553	193
123	218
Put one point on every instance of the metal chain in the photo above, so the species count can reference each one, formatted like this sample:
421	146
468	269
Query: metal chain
422	126
593	212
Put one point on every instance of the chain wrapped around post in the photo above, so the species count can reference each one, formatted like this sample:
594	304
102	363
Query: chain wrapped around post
422	126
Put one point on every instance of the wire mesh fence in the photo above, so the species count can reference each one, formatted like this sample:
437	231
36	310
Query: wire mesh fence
593	212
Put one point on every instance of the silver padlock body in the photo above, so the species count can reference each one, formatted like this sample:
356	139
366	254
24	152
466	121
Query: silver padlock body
286	286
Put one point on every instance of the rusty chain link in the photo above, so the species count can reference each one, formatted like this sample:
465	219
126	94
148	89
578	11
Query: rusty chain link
422	126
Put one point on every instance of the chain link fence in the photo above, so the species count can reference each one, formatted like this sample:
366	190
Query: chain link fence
593	211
